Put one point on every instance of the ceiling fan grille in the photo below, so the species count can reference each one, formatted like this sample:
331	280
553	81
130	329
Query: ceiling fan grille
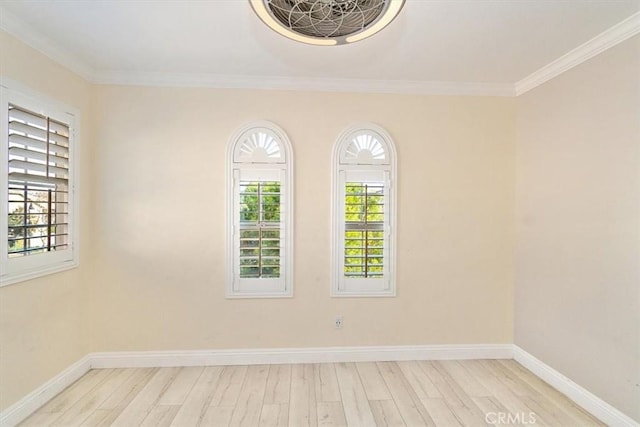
327	18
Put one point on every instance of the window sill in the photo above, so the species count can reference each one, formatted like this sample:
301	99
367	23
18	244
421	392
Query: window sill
249	295
36	273
361	294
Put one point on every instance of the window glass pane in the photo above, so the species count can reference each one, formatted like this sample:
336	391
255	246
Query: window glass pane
260	222
38	154
364	234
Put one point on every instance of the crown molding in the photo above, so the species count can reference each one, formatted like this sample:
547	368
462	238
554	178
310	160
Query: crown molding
603	41
302	84
607	39
26	34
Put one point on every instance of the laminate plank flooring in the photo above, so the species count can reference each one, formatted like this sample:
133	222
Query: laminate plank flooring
412	393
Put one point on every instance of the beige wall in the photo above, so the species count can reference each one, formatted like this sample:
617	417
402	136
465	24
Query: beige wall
43	321
160	221
577	293
153	229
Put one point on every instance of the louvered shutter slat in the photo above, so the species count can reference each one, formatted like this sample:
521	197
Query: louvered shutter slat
22	178
27	117
39	144
31	167
60	140
59	128
31	131
37	155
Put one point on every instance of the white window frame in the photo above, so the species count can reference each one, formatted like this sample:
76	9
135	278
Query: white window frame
363	169
259	168
19	269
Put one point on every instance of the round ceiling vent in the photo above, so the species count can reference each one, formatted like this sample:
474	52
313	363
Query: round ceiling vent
327	22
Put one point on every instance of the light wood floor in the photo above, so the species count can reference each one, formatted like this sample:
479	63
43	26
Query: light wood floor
443	393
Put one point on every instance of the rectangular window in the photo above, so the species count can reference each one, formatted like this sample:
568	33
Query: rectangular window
364	230
259	233
37	181
363	234
260	229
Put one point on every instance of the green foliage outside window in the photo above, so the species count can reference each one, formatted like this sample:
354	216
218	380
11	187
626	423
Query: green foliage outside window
364	234
260	229
20	225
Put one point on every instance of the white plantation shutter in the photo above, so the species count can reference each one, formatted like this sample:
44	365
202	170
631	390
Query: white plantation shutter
38	150
364	213
260	233
36	176
366	236
260	202
38	182
364	262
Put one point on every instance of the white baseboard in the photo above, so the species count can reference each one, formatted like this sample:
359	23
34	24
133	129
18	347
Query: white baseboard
587	400
30	403
20	410
298	355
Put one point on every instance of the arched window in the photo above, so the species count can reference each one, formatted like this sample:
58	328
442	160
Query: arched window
259	206
364	200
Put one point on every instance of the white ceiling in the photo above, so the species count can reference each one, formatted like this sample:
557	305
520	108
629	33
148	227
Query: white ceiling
472	41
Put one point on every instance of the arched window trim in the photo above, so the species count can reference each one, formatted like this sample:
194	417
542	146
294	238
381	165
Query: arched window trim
267	169
341	286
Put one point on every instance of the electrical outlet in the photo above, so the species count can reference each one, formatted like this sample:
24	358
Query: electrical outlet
339	321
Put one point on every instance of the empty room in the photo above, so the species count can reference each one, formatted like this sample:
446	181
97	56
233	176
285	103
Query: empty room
319	213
